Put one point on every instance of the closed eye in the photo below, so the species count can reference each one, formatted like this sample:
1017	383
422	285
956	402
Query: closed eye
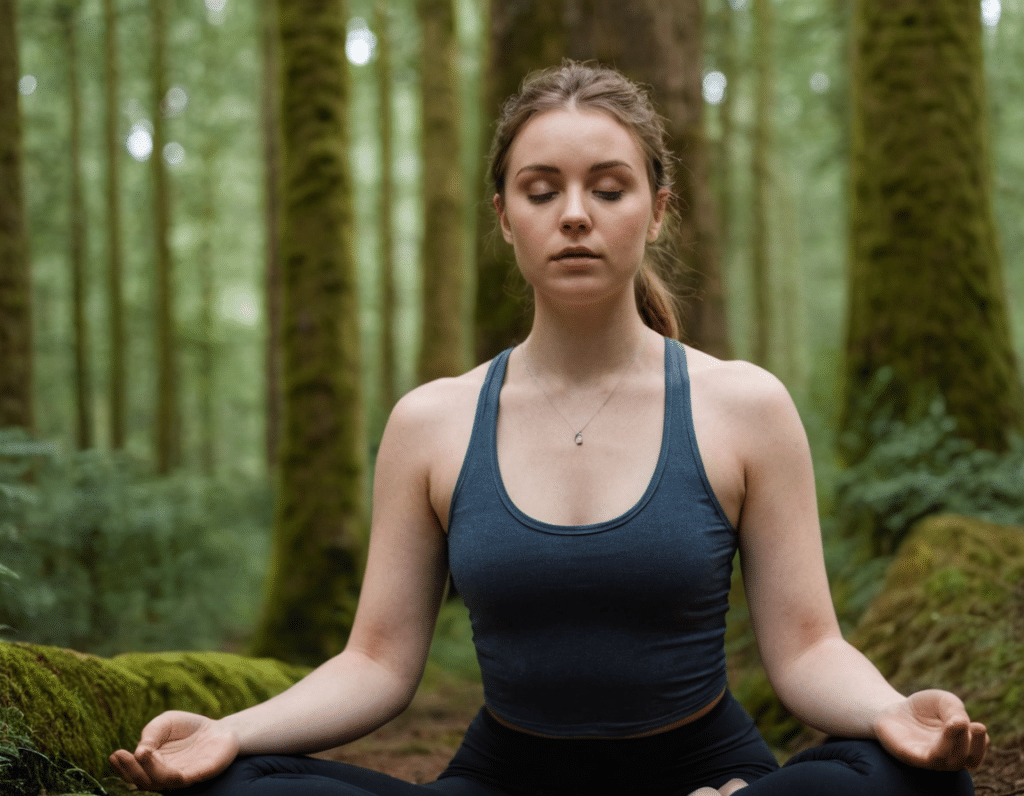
541	198
609	196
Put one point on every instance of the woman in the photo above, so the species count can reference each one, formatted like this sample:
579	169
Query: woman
587	490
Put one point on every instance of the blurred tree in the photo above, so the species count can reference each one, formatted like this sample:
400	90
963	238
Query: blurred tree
117	400
442	343
15	284
388	304
927	306
68	17
168	414
320	516
523	35
672	63
763	327
270	100
725	22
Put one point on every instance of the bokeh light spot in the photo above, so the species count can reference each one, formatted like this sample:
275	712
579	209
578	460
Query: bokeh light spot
714	85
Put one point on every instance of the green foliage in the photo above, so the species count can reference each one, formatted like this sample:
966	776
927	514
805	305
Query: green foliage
112	560
25	771
918	468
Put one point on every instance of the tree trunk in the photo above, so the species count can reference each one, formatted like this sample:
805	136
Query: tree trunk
270	101
168	417
443	338
762	327
15	281
117	400
671	62
67	13
319	528
524	35
388	303
927	306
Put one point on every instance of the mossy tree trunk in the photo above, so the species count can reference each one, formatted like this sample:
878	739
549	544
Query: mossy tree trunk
117	395
443	338
523	35
168	414
926	295
723	152
270	101
762	326
388	303
671	62
15	282
67	16
319	528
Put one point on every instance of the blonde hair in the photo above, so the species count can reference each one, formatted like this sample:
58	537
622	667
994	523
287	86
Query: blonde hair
594	87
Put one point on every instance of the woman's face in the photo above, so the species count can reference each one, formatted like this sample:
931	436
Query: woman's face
578	208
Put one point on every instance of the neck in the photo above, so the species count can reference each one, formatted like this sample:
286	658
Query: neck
582	345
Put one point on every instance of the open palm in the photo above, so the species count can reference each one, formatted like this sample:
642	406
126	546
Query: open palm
177	749
931	729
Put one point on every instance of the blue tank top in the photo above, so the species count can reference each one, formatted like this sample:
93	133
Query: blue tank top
609	629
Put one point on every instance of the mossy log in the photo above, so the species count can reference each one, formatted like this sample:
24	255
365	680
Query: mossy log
81	707
951	615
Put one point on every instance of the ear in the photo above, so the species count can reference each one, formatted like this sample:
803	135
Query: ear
499	208
658	215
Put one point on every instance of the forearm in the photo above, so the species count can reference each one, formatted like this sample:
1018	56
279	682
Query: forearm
834	688
345	698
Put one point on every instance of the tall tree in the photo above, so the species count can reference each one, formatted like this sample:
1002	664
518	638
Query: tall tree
523	35
927	303
117	401
15	284
672	63
762	329
443	338
270	101
67	14
388	365
319	528
168	416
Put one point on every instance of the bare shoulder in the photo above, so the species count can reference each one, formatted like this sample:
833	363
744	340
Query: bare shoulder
438	407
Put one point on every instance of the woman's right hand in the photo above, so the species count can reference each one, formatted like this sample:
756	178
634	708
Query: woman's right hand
177	749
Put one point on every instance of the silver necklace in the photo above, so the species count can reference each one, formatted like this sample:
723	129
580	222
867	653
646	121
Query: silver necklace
578	438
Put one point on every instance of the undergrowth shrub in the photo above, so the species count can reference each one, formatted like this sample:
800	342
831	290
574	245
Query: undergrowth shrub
110	559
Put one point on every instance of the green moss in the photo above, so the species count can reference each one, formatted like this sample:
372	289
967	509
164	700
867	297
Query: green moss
951	615
82	707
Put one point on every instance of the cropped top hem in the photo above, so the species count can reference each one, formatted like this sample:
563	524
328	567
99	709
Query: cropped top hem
610	729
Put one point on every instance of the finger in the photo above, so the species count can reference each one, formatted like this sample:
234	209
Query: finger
732	786
152	763
953	746
129	770
705	792
979	744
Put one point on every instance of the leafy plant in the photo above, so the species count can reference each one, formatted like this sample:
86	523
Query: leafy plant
25	771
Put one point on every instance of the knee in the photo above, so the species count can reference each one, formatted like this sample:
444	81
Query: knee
886	774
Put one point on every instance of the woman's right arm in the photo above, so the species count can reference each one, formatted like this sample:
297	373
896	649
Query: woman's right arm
375	677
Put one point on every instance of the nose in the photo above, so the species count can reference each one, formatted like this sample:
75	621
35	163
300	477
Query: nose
575	218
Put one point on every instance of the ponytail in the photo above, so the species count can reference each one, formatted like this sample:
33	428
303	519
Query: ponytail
657	304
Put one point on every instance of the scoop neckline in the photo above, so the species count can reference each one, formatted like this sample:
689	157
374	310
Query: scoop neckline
594	527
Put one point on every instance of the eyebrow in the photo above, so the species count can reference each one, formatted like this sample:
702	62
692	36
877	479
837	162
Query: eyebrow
602	166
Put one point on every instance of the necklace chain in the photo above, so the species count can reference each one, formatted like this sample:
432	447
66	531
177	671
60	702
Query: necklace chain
578	438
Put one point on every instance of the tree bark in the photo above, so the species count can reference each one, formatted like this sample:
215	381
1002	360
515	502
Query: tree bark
927	304
168	414
319	530
524	35
270	101
443	338
117	396
15	276
762	327
67	14
388	303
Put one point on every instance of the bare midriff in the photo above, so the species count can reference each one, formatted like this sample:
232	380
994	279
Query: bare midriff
681	722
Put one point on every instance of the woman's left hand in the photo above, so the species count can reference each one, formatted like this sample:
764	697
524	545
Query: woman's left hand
931	729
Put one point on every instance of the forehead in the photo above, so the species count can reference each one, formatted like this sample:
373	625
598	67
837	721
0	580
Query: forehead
570	134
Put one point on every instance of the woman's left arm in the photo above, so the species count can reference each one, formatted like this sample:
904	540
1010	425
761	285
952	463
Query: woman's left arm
821	678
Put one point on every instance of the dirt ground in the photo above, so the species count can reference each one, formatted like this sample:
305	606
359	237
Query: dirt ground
418	744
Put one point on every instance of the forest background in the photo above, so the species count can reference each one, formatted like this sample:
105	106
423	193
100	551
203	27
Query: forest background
188	445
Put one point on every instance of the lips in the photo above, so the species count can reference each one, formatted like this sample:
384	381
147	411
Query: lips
576	252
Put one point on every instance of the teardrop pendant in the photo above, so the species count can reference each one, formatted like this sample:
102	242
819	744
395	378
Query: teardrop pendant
579	438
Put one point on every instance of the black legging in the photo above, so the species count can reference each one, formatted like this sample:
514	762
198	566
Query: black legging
496	761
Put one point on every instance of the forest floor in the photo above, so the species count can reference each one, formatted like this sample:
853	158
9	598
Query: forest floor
417	745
